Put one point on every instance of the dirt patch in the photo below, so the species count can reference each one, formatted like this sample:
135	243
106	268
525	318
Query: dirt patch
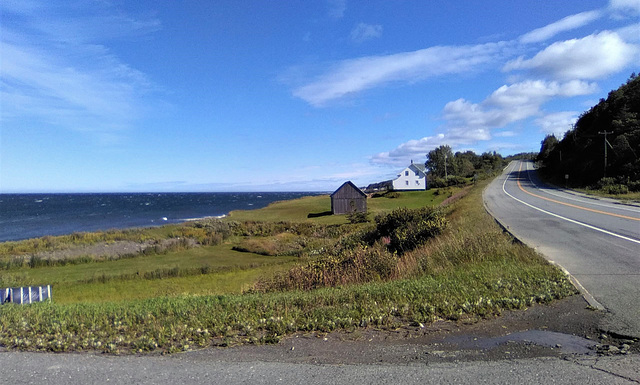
564	328
110	250
456	196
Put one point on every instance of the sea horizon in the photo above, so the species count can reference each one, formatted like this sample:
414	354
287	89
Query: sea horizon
34	215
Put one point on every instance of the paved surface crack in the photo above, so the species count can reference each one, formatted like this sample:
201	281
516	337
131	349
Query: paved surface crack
593	364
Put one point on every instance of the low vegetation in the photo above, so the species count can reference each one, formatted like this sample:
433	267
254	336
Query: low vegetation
265	275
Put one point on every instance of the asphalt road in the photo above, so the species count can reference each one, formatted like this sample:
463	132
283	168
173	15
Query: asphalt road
596	240
72	369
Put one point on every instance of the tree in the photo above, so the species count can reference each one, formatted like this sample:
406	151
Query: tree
464	163
582	150
439	161
548	144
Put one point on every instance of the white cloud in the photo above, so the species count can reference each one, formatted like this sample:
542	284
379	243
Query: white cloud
591	57
337	8
356	75
565	24
56	71
557	123
511	103
628	6
630	33
505	134
363	32
468	123
413	149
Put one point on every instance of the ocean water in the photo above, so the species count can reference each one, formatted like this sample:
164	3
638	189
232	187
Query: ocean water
24	216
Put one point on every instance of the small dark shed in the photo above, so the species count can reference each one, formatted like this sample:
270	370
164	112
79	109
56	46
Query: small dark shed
347	199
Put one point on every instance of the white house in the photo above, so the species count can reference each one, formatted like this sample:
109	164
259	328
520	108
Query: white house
413	177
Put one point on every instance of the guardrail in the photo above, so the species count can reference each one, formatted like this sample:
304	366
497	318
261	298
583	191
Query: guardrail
25	295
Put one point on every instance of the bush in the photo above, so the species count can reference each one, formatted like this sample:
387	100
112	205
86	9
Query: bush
605	182
405	229
357	265
616	189
634	186
450	181
357	217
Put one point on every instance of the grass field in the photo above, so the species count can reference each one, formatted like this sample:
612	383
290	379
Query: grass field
316	209
205	295
202	270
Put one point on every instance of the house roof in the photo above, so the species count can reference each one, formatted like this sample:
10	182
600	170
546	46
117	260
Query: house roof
420	167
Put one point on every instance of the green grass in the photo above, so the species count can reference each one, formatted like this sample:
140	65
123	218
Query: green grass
472	270
232	281
125	278
214	257
298	210
629	197
183	323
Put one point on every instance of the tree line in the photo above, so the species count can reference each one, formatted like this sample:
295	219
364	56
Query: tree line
447	169
601	150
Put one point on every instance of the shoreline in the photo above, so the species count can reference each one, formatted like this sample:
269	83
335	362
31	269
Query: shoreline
40	219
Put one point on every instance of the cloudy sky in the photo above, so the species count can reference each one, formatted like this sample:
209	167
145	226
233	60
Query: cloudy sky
100	96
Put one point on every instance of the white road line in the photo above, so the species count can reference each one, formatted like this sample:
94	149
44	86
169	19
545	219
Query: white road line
591	300
567	219
589	202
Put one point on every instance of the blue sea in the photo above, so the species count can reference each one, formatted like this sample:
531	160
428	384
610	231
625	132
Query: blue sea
24	216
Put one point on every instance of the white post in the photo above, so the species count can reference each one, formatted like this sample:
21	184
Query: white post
21	295
29	294
40	293
49	292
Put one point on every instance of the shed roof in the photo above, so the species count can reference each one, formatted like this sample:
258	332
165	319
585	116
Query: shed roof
349	184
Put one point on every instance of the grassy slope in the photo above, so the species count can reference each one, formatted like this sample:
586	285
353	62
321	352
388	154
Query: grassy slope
214	257
229	271
298	210
473	270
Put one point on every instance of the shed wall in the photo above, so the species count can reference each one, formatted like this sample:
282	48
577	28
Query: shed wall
348	205
347	199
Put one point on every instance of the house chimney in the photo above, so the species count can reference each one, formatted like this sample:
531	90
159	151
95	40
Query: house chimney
411	161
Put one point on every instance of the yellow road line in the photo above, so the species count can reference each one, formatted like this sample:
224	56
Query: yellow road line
571	205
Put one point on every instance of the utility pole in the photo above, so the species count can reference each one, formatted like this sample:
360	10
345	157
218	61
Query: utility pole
605	133
445	166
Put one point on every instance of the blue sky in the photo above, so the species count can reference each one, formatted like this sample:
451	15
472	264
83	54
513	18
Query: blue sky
110	96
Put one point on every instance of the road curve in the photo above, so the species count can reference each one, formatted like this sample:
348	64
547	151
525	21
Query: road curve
596	240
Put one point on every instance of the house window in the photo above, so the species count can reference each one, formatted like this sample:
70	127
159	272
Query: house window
418	183
406	173
406	182
417	173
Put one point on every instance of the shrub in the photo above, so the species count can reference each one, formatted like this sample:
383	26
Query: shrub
453	180
357	217
358	265
407	229
604	182
634	186
615	189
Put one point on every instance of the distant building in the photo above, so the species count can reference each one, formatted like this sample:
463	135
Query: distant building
348	199
379	187
413	177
